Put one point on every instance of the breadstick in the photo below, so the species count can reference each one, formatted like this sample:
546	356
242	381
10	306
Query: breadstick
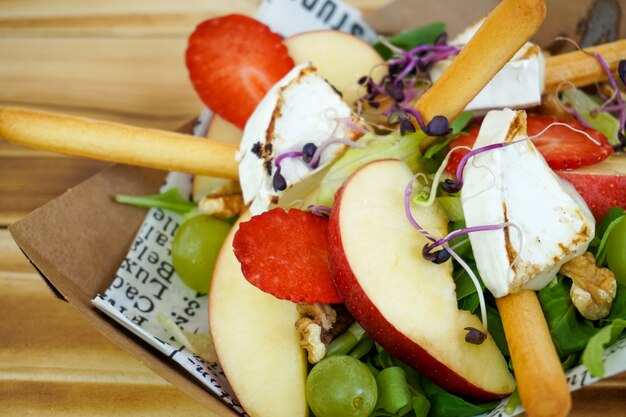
117	142
580	68
507	28
540	381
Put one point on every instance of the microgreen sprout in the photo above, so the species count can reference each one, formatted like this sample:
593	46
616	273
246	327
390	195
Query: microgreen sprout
568	109
449	185
617	96
615	103
311	153
440	256
317	156
406	79
438	250
278	181
323	211
308	151
479	292
474	336
408	190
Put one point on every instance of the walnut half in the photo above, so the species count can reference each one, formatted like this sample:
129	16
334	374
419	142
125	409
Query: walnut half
317	320
593	289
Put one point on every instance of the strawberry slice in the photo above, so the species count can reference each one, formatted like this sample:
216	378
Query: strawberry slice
233	61
561	147
285	253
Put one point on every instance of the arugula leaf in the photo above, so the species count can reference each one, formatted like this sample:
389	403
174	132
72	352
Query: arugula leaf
593	356
463	282
496	330
444	404
618	309
569	330
169	200
461	244
612	218
611	215
407	40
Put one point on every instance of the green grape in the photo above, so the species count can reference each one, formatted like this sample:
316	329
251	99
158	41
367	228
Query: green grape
616	251
341	386
195	248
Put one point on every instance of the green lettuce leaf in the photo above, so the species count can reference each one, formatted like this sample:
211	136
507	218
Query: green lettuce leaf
569	330
444	404
169	200
393	390
407	40
603	122
404	148
593	356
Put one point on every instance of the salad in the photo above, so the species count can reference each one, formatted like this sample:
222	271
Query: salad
374	188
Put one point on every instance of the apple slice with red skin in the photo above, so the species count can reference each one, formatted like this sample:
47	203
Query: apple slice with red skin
602	185
406	303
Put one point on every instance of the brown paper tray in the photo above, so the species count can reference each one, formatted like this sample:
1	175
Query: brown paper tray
77	242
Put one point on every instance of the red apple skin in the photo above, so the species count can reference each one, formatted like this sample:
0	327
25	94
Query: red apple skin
601	191
383	332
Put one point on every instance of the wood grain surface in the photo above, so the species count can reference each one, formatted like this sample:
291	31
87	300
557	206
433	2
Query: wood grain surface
118	60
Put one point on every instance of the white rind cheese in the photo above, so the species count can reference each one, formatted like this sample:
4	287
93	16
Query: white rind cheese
519	84
301	108
514	184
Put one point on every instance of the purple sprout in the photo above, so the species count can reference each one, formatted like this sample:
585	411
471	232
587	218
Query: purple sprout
613	82
445	253
614	104
403	70
278	181
322	211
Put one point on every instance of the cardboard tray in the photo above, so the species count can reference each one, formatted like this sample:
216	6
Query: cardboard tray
77	242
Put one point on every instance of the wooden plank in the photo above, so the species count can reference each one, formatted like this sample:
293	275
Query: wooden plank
29	179
135	81
53	362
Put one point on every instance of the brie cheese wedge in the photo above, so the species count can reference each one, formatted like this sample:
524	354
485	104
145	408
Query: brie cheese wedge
519	84
548	221
301	108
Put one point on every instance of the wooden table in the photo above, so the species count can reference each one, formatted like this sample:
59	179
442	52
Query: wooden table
118	60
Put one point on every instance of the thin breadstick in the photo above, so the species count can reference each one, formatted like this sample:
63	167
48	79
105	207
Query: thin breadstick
507	28
540	380
580	68
117	142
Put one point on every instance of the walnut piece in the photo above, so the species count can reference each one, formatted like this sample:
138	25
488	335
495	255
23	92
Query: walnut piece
593	289
311	339
317	320
223	206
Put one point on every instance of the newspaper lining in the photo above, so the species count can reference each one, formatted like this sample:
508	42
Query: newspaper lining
146	283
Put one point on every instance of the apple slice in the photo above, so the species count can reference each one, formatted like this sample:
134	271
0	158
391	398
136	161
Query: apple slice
406	303
341	58
223	131
256	341
602	186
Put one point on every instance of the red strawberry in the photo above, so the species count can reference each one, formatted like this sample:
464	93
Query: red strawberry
233	61
602	186
285	253
561	147
456	156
